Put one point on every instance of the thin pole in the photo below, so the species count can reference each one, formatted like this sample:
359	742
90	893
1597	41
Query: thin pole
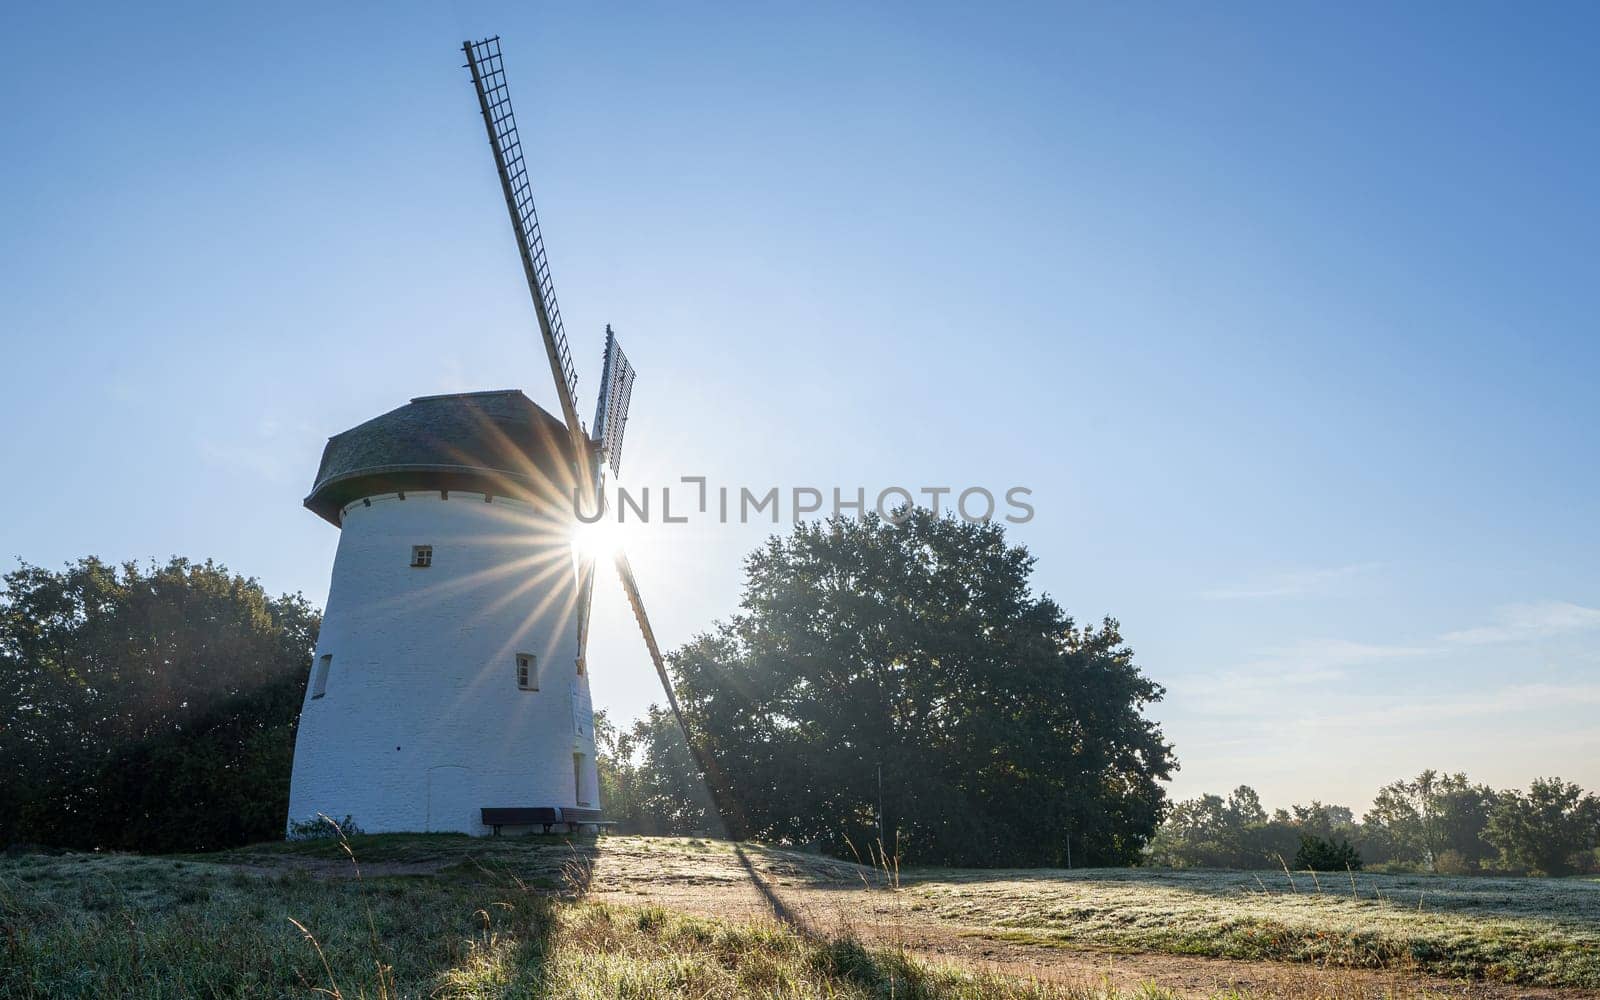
880	805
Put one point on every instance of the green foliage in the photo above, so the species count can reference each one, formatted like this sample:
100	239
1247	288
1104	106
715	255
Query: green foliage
1547	829
1326	854
147	709
1210	832
1437	822
323	828
648	780
1417	822
908	671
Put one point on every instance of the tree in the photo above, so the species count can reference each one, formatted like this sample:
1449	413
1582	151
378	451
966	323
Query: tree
648	781
1321	820
1213	832
1237	833
613	761
1546	828
1418	821
673	797
147	709
900	684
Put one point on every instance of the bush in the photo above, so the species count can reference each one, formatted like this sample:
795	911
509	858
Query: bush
320	827
1326	854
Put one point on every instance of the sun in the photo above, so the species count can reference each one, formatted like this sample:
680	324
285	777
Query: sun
600	540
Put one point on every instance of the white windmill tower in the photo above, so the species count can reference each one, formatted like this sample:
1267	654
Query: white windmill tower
449	689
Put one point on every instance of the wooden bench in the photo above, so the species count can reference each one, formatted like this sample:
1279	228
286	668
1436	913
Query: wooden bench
545	816
575	816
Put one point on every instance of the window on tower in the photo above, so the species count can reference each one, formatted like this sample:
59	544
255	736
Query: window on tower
319	683
577	779
421	556
527	672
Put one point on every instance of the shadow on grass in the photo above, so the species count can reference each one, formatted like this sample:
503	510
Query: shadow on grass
497	926
774	901
842	956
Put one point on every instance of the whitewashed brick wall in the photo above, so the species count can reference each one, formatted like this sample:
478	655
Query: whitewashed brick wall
423	723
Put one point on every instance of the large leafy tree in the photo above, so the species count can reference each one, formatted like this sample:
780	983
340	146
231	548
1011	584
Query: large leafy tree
1434	816
900	684
147	708
1547	828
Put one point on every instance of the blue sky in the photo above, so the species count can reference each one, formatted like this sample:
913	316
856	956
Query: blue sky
1284	314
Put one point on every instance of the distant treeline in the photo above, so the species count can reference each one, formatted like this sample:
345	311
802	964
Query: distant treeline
1435	822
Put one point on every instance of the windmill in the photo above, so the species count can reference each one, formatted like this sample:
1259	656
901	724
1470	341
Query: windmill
449	688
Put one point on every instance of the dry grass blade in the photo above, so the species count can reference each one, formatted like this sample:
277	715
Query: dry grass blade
333	984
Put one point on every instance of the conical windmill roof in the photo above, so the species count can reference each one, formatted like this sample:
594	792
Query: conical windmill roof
496	442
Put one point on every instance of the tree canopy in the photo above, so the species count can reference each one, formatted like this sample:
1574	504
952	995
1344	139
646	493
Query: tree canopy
902	682
1547	829
1436	821
147	709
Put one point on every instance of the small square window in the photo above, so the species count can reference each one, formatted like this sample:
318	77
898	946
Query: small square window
527	672
422	556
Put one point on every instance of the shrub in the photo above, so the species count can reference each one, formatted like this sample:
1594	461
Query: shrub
1326	854
320	827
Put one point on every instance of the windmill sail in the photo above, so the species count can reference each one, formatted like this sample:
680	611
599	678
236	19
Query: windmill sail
611	413
494	99
721	798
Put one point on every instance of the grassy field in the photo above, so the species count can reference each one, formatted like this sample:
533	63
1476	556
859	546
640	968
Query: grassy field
453	917
83	925
1535	931
123	927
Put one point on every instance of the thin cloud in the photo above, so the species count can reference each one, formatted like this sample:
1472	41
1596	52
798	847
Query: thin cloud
1525	622
1280	673
1319	656
1291	584
1493	702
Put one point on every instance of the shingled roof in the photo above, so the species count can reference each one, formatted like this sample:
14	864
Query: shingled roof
495	442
